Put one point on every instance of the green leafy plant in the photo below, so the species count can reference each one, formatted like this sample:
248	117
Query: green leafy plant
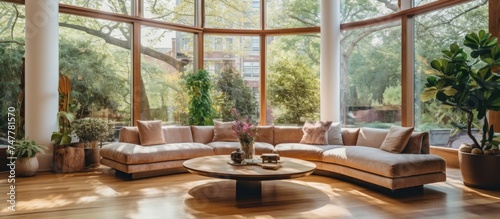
28	148
198	86
65	116
91	129
472	86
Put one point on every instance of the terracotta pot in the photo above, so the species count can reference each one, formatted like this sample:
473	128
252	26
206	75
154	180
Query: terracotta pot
480	171
26	166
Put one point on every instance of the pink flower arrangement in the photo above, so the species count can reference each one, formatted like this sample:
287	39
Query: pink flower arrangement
243	128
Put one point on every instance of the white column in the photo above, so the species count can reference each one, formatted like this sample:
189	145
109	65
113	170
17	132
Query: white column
330	61
42	73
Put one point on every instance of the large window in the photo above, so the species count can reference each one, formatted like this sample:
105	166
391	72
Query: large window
96	56
115	6
371	76
292	79
166	32
235	72
11	59
165	56
434	31
174	11
232	14
361	10
292	13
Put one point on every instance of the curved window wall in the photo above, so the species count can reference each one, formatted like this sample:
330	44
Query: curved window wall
146	45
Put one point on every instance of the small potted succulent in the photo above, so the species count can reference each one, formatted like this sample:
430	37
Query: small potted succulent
26	161
91	132
472	86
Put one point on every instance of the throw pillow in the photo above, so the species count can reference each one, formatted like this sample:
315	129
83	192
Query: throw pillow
396	139
223	131
150	132
315	133
335	134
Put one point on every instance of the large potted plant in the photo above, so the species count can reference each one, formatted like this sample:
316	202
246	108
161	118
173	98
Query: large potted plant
26	161
472	86
67	157
91	132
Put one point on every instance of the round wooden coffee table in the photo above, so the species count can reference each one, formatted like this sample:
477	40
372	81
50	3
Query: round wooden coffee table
248	177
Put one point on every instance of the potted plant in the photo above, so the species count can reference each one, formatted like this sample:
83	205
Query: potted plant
471	86
91	132
26	161
67	157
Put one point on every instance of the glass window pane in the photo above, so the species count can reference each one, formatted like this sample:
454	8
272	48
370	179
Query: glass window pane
164	58
362	10
292	13
423	2
174	11
115	6
234	80
433	32
371	76
11	59
232	14
98	62
292	86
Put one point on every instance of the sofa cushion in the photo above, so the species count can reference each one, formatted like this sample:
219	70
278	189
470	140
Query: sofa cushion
221	148
202	134
129	135
335	134
136	154
150	132
396	139
418	143
371	137
177	134
287	134
350	136
302	151
265	134
316	133
223	131
383	163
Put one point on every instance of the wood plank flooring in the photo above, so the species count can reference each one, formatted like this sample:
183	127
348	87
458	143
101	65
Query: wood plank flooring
99	194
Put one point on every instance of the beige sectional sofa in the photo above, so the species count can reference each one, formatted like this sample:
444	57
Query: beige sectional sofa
359	157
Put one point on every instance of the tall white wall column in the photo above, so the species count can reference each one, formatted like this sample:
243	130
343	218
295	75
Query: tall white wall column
42	73
330	61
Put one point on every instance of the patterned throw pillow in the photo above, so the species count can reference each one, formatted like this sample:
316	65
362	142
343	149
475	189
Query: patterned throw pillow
316	133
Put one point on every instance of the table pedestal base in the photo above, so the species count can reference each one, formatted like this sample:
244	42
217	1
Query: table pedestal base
248	190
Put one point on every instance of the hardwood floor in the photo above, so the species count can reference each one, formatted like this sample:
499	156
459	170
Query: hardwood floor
99	194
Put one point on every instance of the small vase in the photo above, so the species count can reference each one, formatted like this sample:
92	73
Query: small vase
249	150
237	156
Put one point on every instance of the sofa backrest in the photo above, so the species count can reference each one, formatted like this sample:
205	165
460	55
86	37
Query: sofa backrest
265	134
202	134
287	134
372	137
172	134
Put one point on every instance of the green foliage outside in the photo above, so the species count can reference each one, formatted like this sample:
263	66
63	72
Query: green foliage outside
198	86
293	90
231	92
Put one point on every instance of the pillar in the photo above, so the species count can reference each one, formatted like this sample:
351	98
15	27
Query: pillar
42	73
330	61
